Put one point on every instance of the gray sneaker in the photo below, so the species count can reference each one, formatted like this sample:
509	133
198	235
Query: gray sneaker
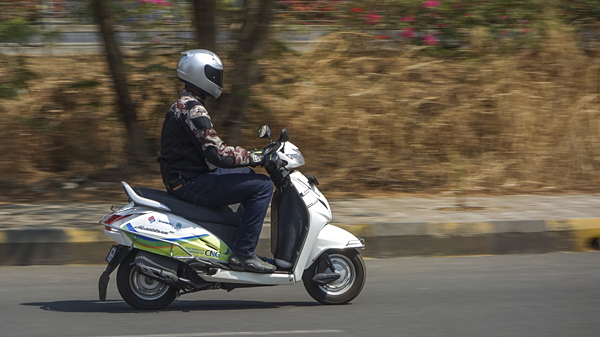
251	263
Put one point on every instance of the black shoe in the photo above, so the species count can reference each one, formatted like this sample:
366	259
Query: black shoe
250	263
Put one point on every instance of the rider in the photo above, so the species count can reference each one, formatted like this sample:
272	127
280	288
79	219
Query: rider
198	167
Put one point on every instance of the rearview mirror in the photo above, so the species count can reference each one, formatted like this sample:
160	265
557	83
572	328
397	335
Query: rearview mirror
264	131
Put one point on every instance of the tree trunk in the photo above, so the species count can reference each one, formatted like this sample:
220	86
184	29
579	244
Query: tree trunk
127	108
252	44
204	15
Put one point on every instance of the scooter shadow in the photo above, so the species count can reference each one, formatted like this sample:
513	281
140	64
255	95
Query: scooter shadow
116	306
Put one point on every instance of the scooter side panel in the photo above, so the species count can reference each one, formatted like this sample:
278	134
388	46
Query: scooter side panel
319	216
167	234
119	237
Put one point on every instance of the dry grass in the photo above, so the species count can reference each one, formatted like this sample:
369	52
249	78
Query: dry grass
369	118
65	128
57	126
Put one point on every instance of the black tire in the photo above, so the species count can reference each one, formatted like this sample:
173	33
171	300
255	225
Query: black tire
347	262
142	292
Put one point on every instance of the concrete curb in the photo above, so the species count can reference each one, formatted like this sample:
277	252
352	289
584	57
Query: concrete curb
53	246
477	238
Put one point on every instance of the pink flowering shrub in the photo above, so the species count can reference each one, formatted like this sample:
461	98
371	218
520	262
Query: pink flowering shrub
409	32
430	39
156	2
148	12
312	12
373	18
430	4
574	10
445	23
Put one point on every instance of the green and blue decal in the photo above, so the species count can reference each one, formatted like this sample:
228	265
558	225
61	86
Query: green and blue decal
201	246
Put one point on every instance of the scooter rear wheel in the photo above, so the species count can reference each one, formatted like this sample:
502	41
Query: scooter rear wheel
351	267
140	291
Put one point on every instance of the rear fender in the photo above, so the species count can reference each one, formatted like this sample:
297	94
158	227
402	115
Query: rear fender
118	253
332	237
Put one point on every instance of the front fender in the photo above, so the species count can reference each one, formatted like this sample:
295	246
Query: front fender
332	237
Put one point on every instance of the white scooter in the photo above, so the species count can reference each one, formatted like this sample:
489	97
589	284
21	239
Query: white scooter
167	247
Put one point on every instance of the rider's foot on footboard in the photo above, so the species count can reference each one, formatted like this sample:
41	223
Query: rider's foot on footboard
250	263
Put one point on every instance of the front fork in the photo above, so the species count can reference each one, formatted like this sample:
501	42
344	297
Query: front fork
325	278
115	256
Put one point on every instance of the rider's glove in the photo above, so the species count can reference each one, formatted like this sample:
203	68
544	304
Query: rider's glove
256	157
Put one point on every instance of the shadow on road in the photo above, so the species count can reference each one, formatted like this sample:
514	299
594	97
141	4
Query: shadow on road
119	307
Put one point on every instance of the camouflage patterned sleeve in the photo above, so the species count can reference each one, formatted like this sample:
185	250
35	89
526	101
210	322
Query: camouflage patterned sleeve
213	148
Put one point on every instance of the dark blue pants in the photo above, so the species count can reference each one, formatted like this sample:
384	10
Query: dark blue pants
232	186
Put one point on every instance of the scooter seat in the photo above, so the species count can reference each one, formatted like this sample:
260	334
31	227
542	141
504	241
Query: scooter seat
203	215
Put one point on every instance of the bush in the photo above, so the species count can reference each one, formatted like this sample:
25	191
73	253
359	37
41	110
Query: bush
16	30
451	24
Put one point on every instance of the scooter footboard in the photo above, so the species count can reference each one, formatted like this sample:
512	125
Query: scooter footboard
332	237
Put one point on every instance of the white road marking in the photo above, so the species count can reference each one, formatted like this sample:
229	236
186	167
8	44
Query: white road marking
239	333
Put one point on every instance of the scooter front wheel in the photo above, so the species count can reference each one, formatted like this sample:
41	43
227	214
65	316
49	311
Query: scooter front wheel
346	262
140	291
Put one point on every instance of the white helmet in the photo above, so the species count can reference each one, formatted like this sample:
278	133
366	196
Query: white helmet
203	69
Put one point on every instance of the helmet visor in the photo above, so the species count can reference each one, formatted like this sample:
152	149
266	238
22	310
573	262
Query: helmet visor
214	75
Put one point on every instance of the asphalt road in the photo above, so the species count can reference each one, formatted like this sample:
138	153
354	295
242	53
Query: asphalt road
510	295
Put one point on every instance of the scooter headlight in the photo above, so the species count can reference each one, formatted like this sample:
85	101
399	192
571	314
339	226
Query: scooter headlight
292	156
296	157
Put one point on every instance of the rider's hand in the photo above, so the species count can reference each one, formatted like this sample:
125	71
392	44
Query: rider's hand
256	157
